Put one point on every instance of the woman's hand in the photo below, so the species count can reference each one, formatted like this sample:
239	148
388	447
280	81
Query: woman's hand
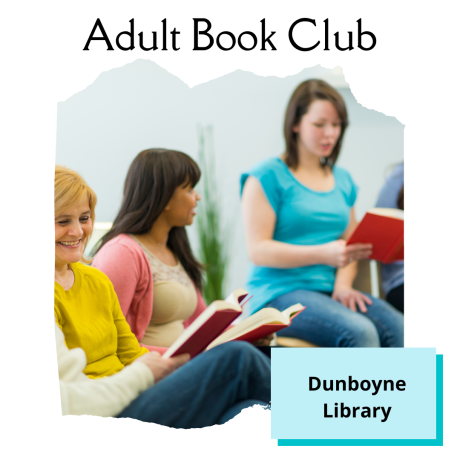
338	253
160	367
351	298
264	342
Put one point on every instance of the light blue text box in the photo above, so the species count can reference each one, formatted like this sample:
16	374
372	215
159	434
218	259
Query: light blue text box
298	413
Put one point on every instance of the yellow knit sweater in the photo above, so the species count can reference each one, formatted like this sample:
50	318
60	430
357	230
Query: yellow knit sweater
90	318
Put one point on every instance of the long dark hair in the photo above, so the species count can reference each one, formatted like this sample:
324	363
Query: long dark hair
306	93
150	183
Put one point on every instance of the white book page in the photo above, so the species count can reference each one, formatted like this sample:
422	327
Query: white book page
388	212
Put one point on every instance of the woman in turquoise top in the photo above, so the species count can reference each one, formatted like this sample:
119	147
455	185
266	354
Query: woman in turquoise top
298	212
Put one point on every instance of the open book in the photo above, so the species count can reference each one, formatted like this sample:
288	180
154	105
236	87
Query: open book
259	325
206	331
384	228
209	325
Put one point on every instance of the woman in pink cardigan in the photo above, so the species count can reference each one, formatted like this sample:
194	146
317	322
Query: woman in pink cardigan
124	261
147	255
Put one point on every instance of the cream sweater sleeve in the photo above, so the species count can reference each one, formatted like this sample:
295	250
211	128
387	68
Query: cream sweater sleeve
107	396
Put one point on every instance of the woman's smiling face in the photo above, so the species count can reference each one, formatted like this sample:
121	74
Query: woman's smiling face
72	229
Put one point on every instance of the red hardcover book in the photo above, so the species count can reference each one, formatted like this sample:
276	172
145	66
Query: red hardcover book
384	228
209	325
259	325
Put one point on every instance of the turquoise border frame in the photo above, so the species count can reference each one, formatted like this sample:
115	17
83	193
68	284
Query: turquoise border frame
387	442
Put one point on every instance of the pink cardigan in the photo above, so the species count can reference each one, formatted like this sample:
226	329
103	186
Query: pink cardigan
126	265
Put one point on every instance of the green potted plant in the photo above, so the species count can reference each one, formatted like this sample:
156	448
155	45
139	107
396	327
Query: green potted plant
212	238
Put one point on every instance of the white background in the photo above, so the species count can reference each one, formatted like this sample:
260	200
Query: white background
411	75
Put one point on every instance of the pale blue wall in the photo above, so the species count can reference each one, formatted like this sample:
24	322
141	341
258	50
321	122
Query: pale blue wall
140	105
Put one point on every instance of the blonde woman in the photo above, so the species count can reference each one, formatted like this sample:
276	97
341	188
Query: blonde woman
201	393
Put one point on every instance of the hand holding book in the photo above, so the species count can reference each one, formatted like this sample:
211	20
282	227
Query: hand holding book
384	228
339	254
206	331
159	367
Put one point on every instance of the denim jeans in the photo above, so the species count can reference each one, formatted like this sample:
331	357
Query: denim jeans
328	323
210	389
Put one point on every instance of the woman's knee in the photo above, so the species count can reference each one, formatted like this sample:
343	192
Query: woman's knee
390	322
360	334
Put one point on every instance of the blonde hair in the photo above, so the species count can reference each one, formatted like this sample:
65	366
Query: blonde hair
70	189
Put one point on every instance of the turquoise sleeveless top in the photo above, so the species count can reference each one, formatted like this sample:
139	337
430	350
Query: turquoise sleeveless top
303	217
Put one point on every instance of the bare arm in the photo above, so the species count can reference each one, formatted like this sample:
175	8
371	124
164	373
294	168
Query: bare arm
346	275
343	286
259	222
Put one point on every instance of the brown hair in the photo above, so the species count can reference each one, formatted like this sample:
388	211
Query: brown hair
70	189
150	183
306	93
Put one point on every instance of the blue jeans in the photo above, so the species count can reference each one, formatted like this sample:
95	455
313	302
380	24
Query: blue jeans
210	389
328	323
